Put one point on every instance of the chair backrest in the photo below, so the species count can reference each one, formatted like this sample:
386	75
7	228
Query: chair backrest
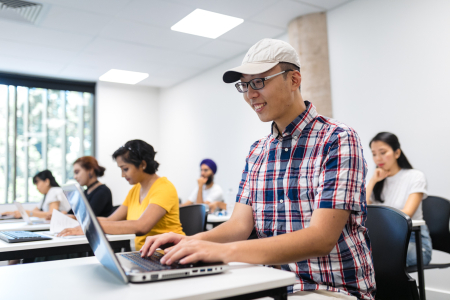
436	213
113	209
389	232
193	218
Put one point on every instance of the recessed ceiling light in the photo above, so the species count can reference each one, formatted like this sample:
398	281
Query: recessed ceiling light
206	23
121	76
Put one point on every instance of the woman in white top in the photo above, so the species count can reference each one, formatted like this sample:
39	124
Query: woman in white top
395	183
54	197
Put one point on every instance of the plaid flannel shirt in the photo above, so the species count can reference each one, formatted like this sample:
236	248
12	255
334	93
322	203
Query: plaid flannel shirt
315	163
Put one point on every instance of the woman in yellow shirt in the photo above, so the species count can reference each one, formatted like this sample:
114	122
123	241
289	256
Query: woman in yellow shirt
151	206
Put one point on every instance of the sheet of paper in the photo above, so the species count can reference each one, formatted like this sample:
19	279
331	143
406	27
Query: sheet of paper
60	222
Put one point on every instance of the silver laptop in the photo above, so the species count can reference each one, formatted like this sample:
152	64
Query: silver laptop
26	218
128	266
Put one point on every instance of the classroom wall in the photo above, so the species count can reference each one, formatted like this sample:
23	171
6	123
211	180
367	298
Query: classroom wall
206	118
390	71
123	113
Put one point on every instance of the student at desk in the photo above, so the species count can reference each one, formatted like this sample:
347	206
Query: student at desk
302	189
54	197
86	171
395	183
207	192
151	206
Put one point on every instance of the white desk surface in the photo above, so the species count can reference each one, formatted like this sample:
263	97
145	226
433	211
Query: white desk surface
86	278
11	226
418	223
58	242
218	219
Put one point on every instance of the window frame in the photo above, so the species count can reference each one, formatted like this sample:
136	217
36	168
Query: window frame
29	82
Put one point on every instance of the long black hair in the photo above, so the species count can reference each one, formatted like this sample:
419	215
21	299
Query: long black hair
392	140
44	175
136	151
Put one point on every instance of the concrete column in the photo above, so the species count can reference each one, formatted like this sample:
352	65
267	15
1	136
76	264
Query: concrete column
308	35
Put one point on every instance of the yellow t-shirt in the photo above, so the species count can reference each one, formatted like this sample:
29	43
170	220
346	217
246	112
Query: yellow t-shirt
162	193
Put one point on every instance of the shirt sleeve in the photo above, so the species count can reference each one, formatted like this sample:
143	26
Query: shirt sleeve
193	196
165	196
419	185
244	193
53	196
215	195
342	178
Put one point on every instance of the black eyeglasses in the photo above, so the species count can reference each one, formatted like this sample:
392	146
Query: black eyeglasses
255	83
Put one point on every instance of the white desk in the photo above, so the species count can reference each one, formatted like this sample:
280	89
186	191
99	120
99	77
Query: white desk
58	246
86	278
16	226
416	223
218	219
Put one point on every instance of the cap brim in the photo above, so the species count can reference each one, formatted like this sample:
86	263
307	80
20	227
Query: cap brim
249	68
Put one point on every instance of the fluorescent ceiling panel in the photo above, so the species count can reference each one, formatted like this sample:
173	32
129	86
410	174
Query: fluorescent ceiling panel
121	76
206	23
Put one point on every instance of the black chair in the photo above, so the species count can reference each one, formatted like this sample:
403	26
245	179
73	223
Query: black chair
436	213
389	232
114	208
193	218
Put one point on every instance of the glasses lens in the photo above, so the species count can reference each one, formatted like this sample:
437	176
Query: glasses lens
241	87
257	84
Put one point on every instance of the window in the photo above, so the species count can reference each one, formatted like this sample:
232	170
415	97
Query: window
43	127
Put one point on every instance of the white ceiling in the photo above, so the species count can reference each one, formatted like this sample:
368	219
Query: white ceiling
82	39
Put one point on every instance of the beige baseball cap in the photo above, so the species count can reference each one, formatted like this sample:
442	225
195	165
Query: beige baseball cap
263	56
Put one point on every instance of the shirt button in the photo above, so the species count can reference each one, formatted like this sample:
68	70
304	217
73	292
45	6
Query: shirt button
286	149
281	201
295	137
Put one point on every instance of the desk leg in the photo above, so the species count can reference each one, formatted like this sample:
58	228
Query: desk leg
420	271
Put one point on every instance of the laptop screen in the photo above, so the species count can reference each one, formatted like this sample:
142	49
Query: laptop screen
92	229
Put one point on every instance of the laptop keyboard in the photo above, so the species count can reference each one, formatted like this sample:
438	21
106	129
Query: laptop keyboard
21	236
151	263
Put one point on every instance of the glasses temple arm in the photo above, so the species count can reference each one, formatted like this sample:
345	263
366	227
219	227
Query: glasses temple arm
268	77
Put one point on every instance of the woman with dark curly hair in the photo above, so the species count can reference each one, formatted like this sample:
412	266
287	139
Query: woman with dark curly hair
151	206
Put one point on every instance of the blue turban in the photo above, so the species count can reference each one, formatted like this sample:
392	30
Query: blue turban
210	163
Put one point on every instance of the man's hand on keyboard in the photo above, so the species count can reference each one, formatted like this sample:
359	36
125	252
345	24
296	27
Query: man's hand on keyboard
186	250
154	242
193	250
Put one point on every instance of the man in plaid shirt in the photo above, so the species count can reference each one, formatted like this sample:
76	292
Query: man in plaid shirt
302	189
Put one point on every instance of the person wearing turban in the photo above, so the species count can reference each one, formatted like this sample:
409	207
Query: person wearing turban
207	192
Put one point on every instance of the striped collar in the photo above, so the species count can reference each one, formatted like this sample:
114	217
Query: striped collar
295	127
